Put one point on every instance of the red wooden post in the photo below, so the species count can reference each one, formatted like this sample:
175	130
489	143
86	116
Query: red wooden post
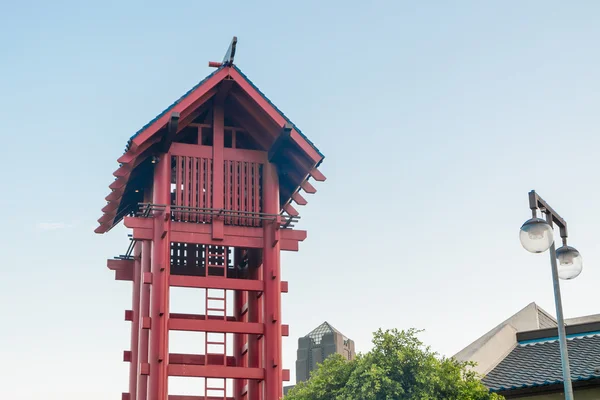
159	302
142	384
135	324
255	345
238	339
272	280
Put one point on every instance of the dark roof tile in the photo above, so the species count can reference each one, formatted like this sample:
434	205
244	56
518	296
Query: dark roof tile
538	364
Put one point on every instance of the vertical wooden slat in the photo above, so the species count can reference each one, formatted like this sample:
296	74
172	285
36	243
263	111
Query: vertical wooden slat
242	180
227	164
194	188
209	185
247	190
201	183
235	191
256	191
178	185
184	188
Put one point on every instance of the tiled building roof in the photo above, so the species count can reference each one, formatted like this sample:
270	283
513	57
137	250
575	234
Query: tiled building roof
317	333
537	363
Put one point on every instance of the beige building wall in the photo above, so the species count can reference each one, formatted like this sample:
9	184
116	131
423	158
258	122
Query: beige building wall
583	394
491	348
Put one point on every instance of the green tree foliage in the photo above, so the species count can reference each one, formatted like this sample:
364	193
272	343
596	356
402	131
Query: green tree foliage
399	367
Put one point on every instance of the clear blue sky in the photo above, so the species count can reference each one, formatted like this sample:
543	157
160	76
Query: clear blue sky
436	119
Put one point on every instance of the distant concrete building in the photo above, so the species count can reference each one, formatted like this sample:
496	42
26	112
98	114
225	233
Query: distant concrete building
315	347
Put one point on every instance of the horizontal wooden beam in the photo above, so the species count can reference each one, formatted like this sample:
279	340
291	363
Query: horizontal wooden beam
200	317
143	234
137	222
216	283
124	275
194	325
118	265
289	245
234	236
200	359
216	371
189	397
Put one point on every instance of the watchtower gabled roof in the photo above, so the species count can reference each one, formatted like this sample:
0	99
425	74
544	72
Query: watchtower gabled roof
296	156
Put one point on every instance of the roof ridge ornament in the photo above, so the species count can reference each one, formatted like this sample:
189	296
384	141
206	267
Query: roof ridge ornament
229	56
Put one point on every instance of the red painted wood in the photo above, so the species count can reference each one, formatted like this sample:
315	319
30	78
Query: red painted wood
214	371
186	186
110	207
114	195
228	189
242	155
272	293
134	154
191	150
301	201
200	359
239	339
293	234
118	183
194	325
201	186
143	234
216	283
206	238
116	265
217	173
124	275
159	304
234	192
185	397
145	369
142	379
248	191
291	210
284	286
137	222
256	186
255	344
289	245
177	185
317	175
308	188
135	323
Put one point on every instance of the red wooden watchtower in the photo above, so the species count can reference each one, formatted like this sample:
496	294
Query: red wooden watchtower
207	188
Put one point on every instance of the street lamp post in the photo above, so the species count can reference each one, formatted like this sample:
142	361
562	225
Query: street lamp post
537	236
